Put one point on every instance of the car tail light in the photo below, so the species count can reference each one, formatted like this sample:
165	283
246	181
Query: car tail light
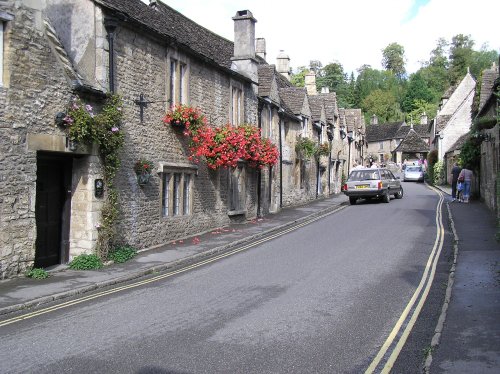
379	185
344	187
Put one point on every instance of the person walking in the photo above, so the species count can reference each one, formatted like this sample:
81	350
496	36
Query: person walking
466	177
455	172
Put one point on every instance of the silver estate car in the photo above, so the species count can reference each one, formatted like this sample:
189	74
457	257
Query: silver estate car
414	173
372	183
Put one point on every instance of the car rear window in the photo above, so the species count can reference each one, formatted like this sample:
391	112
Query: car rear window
414	168
363	175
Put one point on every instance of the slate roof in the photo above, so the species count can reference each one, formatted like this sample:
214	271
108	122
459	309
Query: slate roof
266	75
316	104
384	131
487	84
459	143
421	130
353	118
442	121
169	23
330	102
412	143
293	97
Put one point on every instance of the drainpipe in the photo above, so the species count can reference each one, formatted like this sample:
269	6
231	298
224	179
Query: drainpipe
110	24
280	124
259	173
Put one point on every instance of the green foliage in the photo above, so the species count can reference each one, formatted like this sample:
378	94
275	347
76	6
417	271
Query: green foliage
122	254
86	262
383	104
460	57
394	59
470	154
432	158
84	126
438	173
37	273
418	91
322	150
298	78
306	147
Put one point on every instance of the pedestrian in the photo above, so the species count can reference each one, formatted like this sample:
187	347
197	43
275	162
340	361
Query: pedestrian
466	177
455	172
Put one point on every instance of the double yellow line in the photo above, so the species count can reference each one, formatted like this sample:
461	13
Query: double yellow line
426	281
163	276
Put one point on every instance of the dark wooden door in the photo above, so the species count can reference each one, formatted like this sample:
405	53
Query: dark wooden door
52	190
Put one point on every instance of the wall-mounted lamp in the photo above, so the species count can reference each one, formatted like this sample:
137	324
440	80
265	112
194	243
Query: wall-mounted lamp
98	187
59	120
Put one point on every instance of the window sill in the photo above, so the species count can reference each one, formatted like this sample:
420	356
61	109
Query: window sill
236	213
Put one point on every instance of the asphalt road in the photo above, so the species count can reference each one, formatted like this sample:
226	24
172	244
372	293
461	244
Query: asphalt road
321	299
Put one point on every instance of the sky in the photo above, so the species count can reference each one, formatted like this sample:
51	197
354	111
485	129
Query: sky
351	32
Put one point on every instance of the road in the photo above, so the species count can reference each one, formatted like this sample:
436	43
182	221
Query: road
321	299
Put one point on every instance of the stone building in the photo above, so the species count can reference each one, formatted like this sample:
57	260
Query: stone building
486	123
51	195
384	140
454	116
353	125
91	48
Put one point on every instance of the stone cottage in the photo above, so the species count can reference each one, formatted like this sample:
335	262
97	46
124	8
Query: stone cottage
353	126
453	118
91	48
384	140
486	123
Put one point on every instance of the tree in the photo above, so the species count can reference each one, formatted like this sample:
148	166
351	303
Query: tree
334	77
298	79
394	59
460	57
418	90
482	59
420	107
383	104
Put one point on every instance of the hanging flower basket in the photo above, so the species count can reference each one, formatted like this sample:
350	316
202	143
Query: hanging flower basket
143	169
183	116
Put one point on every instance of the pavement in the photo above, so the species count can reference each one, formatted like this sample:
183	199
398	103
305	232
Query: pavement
467	337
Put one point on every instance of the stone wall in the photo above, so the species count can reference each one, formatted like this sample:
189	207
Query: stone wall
141	67
35	92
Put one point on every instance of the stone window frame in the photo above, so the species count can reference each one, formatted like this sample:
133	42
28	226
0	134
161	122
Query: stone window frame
178	73
381	145
176	198
305	127
236	103
237	197
4	24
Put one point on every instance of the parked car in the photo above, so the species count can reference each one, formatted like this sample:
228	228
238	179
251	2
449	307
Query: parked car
372	183
414	173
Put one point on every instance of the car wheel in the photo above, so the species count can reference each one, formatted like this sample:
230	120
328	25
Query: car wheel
386	198
352	200
399	195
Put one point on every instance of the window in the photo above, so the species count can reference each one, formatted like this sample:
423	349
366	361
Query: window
177	82
305	127
176	199
236	106
381	145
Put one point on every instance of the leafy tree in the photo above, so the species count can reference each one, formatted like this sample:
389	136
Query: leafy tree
482	59
420	107
418	90
394	59
298	79
460	57
369	80
383	104
334	77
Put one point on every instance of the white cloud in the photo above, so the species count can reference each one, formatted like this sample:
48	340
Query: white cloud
350	32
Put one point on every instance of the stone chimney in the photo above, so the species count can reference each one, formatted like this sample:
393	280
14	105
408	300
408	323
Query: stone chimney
260	47
325	90
283	64
423	119
153	4
310	83
374	120
243	60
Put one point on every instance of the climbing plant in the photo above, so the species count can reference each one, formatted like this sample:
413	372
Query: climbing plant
103	128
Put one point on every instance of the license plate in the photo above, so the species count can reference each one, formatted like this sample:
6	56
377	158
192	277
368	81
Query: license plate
363	186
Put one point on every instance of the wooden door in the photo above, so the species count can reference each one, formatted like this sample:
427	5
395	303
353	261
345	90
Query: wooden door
53	193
